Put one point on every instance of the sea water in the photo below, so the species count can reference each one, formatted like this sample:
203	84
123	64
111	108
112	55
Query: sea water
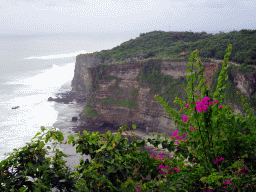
32	69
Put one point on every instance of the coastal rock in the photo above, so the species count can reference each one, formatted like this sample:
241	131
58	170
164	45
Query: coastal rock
68	97
116	85
74	118
16	107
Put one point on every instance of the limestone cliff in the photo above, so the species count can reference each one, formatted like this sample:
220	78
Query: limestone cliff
80	83
116	96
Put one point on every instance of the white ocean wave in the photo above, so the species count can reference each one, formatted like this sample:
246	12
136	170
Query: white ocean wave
59	55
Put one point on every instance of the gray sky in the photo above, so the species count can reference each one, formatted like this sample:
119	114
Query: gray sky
125	16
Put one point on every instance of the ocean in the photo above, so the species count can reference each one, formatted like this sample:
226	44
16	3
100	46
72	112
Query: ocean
32	69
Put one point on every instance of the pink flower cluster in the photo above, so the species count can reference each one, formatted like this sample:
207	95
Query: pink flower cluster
243	171
226	183
217	160
175	136
162	166
207	190
201	106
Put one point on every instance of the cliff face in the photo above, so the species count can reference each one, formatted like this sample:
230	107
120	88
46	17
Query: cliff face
81	81
245	83
119	99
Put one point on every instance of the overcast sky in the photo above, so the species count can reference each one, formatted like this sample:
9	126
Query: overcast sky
125	16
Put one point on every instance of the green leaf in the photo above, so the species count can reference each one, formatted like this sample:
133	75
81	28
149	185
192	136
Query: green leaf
42	128
189	70
41	144
30	165
38	133
134	126
3	163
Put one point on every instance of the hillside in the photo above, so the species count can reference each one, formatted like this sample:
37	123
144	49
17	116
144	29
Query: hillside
160	44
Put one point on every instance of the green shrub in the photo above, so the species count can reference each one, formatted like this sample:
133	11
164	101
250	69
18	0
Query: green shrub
90	112
134	93
126	103
119	91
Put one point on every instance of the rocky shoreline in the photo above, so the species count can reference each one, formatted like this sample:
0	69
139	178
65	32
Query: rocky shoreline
68	97
71	97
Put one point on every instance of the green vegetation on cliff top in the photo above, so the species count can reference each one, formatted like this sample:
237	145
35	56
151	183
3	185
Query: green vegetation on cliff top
160	44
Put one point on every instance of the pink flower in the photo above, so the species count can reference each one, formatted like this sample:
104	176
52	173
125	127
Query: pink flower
185	149
177	169
184	136
195	140
220	106
205	108
226	183
243	171
205	99
216	161
187	105
236	172
222	159
243	131
211	103
185	118
192	128
102	139
174	134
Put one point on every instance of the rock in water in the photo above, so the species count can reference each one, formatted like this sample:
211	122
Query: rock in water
16	107
74	118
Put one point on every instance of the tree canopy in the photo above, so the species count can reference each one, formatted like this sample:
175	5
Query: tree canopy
161	44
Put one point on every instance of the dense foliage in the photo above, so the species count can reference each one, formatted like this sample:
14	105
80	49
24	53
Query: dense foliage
160	44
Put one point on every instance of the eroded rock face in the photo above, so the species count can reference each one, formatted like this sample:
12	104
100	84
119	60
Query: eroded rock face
245	83
148	114
81	82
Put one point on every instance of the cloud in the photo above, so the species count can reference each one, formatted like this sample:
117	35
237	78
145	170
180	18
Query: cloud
219	4
102	8
216	5
50	4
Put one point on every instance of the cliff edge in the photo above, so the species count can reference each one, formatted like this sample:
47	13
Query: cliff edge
117	96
